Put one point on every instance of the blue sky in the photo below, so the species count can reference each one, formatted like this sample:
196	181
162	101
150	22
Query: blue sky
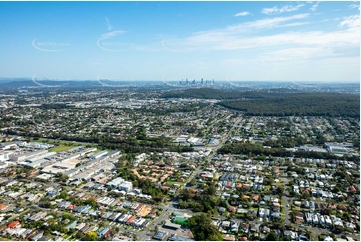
245	41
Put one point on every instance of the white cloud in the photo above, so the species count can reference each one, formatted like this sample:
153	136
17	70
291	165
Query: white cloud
314	7
351	22
286	8
225	38
354	6
112	34
295	24
266	23
241	14
293	54
289	45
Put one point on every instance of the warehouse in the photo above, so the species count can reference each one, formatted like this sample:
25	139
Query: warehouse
23	157
75	149
34	164
126	186
40	157
112	154
175	237
115	183
173	226
98	154
161	235
83	152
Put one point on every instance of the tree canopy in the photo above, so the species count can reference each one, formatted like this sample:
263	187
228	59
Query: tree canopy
91	236
310	104
202	228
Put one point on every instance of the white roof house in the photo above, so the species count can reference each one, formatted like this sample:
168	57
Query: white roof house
126	186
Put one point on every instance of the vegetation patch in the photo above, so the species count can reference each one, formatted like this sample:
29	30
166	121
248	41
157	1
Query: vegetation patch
310	104
175	182
61	148
202	228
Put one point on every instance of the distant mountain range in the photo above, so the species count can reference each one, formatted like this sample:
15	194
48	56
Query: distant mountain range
28	82
272	86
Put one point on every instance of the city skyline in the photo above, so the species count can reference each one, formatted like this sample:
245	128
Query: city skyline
243	41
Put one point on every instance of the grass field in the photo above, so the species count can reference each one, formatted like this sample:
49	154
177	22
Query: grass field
61	148
174	182
254	209
268	187
283	202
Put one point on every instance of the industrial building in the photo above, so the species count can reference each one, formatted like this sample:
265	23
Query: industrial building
35	164
75	149
26	156
175	237
11	145
5	156
39	157
98	154
112	154
126	186
161	235
115	182
173	226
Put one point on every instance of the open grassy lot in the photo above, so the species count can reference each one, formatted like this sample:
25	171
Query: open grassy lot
254	209
63	145
175	182
61	148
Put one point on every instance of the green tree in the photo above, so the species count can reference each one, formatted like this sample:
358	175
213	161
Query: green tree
202	228
91	236
272	236
185	194
192	182
210	190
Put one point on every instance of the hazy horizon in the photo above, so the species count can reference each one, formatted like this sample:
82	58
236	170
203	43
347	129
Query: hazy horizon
3	79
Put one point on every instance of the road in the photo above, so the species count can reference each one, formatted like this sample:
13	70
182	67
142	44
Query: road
223	141
286	198
144	235
287	212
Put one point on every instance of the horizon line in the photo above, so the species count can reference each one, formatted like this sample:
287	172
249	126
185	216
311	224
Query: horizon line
190	79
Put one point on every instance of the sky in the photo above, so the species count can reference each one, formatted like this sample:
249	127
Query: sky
233	41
